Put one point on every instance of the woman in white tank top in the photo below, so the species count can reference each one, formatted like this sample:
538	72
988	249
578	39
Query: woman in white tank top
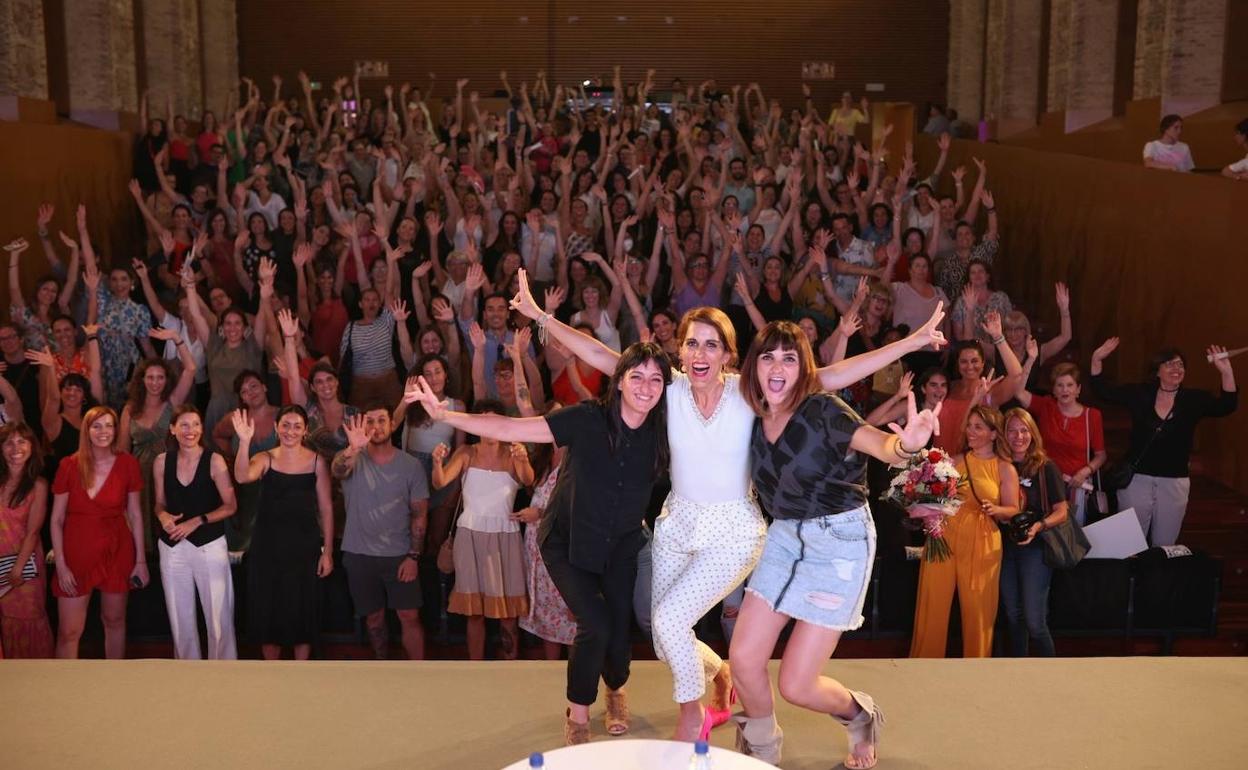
710	533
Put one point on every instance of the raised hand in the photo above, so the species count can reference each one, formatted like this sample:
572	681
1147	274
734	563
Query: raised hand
288	322
44	217
398	309
244	426
440	453
519	452
986	198
906	383
1219	359
476	277
303	255
420	391
554	299
357	434
523	301
161	333
920	426
992	325
15	247
849	324
433	224
167	244
41	357
930	333
70	243
442	312
1063	298
520	344
476	335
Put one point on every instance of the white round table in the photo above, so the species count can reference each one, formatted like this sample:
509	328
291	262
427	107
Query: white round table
629	754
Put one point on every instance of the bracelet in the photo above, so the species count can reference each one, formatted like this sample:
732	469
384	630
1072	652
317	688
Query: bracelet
542	320
998	340
413	555
904	453
990	209
93	338
179	342
43	233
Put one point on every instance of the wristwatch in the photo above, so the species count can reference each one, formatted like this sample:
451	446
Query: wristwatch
413	556
203	518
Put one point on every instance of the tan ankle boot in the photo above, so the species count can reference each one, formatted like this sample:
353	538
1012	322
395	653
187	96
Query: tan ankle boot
574	732
617	712
759	737
864	728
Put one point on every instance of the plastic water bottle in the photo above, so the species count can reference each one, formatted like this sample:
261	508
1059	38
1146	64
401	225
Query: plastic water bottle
536	759
701	756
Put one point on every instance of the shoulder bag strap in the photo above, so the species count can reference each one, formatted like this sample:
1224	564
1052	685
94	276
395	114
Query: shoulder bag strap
1156	431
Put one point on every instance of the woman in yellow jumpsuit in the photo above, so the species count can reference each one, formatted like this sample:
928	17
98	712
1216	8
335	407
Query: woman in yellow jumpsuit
989	493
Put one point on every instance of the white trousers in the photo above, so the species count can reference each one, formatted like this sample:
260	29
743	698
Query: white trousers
701	553
186	569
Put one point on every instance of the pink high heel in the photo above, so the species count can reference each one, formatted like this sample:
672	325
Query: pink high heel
708	722
721	716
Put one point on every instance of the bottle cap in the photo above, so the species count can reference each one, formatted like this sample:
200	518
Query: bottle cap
536	759
701	747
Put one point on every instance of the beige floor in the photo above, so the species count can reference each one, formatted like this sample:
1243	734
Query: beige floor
1069	713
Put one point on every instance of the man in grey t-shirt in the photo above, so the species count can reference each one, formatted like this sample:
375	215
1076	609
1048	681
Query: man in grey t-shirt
387	497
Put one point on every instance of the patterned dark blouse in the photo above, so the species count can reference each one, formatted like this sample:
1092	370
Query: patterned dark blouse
810	471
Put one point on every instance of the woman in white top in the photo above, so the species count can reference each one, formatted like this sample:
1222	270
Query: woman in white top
915	300
488	547
600	318
1168	152
710	533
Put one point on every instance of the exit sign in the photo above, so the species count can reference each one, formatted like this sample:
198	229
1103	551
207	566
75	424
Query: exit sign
818	70
373	69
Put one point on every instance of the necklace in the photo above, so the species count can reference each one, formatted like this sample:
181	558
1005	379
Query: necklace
1168	390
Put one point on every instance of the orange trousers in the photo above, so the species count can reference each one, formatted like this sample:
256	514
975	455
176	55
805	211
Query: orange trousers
974	570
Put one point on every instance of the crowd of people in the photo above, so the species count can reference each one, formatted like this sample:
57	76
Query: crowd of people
662	319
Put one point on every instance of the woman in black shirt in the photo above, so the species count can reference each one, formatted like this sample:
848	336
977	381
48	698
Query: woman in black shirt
591	532
1024	575
1164	415
194	496
809	459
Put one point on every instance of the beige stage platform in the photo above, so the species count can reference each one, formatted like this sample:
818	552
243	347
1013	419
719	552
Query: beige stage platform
1068	713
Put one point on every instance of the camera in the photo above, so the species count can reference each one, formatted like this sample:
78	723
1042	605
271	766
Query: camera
1019	525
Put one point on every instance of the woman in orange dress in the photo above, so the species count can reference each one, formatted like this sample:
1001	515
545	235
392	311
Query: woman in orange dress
97	533
24	629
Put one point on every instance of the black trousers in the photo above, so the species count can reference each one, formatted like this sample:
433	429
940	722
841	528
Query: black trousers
603	607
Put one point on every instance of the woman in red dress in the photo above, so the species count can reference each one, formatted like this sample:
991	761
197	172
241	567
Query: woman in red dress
97	531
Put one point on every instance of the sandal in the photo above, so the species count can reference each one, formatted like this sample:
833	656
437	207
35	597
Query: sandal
864	728
720	716
574	733
759	737
617	715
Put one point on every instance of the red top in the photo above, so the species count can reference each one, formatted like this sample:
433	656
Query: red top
562	388
98	544
326	327
1066	438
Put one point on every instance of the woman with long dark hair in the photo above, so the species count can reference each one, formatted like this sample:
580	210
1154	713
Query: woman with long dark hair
294	534
809	466
97	534
193	498
592	530
24	629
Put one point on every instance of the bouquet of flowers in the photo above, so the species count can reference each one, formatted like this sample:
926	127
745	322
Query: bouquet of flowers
927	488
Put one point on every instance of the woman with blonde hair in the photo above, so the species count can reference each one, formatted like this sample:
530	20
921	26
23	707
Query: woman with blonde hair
97	534
988	488
1024	575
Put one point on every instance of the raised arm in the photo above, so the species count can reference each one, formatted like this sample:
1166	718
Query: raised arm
533	430
1058	343
851	370
585	347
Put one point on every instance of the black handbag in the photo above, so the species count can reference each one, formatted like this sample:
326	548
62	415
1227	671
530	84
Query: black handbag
1064	545
1118	475
346	368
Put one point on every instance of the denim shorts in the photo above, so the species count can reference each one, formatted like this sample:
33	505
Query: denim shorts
817	570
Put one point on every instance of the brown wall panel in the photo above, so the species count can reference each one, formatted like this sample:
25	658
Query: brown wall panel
900	43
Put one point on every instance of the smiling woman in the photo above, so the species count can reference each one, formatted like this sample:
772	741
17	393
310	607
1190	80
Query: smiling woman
808	457
590	536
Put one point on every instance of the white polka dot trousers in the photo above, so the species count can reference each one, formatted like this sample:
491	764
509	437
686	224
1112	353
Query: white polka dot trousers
701	553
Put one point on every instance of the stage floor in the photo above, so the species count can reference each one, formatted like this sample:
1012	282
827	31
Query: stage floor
1064	713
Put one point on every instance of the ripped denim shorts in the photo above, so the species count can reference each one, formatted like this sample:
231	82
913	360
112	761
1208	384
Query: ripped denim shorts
817	570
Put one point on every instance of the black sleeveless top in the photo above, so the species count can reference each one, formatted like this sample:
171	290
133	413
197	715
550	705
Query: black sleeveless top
198	497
